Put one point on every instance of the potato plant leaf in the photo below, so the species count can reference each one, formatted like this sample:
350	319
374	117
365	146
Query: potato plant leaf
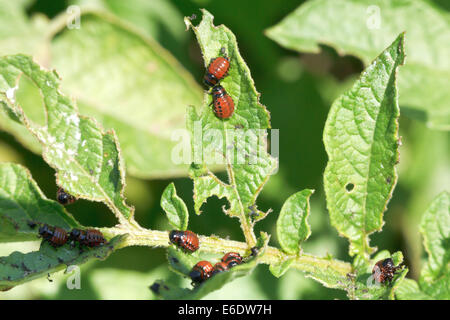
292	223
434	281
409	289
280	268
20	267
361	140
175	208
22	203
238	142
23	207
20	34
87	159
365	287
368	27
167	291
181	262
141	76
143	95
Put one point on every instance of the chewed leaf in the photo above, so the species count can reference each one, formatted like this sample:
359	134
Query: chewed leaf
138	88
435	228
216	282
239	142
361	140
280	268
19	267
22	203
141	75
175	208
292	223
87	160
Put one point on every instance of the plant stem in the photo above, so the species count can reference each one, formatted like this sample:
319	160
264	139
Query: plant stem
138	236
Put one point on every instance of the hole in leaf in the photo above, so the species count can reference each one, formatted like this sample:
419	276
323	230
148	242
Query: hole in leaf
350	187
28	96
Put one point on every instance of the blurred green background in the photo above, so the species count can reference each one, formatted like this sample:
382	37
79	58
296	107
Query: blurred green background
298	90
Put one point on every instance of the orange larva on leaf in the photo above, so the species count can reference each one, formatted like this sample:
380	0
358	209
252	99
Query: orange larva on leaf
201	271
223	103
217	70
54	235
187	240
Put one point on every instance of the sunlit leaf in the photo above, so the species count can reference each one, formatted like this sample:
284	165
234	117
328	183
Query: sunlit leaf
363	28
361	140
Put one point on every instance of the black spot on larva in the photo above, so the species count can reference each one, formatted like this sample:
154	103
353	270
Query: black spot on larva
166	288
60	260
174	260
349	187
14	265
388	180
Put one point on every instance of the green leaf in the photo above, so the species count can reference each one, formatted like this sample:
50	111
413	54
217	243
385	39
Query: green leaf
216	141
180	262
280	268
361	139
408	289
164	290
142	77
434	281
18	34
292	223
22	202
87	160
175	208
216	282
158	18
143	96
19	267
365	287
365	27
435	228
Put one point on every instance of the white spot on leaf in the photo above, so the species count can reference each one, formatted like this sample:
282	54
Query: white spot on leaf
10	94
73	118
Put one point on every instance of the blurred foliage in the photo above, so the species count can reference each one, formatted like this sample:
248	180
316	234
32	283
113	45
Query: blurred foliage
297	90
